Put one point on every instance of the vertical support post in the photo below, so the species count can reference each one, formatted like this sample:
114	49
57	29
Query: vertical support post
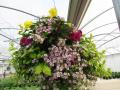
116	4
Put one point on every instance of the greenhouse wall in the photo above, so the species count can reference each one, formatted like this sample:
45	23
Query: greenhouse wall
113	62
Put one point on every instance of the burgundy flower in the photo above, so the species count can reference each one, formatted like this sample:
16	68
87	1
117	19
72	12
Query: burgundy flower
76	36
25	41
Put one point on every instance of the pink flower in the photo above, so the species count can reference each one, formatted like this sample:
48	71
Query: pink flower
76	36
25	41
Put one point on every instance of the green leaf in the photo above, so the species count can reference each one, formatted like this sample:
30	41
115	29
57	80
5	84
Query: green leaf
47	70
43	68
33	55
39	68
12	47
39	56
45	34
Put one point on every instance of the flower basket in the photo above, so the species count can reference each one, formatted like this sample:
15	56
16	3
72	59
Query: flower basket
56	56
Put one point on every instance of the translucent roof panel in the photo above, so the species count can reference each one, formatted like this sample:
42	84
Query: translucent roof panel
11	19
36	7
104	27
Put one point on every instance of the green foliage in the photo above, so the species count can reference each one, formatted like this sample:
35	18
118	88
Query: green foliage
39	69
22	88
46	70
8	82
13	83
43	68
94	58
12	47
22	60
114	75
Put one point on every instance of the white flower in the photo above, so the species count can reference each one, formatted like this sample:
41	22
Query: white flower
38	38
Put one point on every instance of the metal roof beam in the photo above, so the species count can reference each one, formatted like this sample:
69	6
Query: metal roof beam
77	10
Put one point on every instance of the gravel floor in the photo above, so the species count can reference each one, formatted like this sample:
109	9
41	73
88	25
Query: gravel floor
113	84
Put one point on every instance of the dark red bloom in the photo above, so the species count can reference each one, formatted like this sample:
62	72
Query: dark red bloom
76	36
25	41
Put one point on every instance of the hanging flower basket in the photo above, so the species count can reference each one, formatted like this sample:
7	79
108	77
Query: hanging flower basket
56	55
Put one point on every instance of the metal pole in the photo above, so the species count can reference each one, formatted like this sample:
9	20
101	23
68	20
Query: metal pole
116	4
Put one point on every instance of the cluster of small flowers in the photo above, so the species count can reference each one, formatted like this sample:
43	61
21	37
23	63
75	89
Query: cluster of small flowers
61	54
45	26
62	58
43	29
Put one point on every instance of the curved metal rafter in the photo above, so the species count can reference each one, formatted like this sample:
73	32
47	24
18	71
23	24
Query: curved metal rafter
113	48
108	41
3	58
16	28
10	28
16	39
5	55
19	11
109	33
96	17
101	26
110	53
9	38
100	40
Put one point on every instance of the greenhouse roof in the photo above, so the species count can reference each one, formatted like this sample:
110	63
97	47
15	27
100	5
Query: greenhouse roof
9	21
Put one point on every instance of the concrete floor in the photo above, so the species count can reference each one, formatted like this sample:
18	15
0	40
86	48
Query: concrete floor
113	84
